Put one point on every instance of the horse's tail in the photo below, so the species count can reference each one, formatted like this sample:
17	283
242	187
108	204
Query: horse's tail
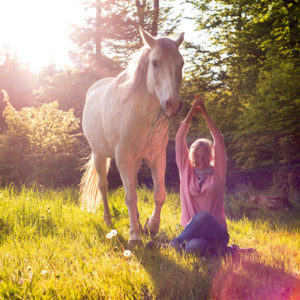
90	194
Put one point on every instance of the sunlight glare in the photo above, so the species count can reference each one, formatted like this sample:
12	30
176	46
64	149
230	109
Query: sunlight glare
37	29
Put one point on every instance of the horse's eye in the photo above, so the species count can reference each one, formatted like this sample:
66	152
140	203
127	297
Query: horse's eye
154	63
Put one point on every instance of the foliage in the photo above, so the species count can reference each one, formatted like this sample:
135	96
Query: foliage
110	34
249	77
67	87
237	206
271	119
253	73
50	248
39	144
17	80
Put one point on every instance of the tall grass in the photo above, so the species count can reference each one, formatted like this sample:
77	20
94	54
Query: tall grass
51	249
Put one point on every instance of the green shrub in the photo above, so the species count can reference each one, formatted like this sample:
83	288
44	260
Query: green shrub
40	145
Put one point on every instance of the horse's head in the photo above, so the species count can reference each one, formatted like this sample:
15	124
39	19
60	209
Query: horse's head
164	71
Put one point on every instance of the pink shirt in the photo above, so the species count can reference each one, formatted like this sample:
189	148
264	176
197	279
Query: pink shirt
211	196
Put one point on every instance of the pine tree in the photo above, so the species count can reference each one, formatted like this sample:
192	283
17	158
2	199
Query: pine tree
111	32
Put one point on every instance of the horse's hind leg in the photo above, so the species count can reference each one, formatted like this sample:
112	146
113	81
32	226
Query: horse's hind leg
101	167
136	170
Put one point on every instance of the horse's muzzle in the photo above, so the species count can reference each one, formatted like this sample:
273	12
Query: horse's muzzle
172	107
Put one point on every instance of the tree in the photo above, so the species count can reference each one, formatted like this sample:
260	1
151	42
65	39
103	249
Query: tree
111	34
67	87
257	43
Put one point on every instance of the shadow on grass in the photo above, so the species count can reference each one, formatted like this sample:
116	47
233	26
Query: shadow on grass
183	276
242	277
248	278
188	279
170	278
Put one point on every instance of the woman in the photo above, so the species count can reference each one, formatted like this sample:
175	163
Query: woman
202	170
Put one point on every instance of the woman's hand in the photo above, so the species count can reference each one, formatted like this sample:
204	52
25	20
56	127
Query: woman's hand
198	105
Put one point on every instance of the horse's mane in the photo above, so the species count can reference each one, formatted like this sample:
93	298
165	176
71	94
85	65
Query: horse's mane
137	68
136	71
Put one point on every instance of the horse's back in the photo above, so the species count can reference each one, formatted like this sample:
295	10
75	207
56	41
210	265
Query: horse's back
102	83
105	116
92	119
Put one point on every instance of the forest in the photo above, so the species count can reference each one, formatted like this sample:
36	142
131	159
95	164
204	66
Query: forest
247	70
242	57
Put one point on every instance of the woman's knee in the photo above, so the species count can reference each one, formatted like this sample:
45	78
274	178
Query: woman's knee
202	217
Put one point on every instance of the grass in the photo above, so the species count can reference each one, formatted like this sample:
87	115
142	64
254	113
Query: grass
51	249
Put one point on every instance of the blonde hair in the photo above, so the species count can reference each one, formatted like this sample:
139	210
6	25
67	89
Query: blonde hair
199	143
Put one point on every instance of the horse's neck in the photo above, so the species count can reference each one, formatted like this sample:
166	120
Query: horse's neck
142	108
147	104
155	121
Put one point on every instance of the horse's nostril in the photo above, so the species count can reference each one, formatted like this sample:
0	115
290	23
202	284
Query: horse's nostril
168	104
173	106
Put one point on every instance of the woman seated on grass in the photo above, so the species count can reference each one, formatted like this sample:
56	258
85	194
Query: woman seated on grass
202	170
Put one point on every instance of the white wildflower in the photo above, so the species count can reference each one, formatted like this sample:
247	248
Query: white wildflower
109	236
114	232
127	253
44	272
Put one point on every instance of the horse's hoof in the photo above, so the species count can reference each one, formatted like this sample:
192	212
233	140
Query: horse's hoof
148	230
135	243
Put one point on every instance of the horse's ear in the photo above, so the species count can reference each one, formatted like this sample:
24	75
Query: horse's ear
180	39
148	39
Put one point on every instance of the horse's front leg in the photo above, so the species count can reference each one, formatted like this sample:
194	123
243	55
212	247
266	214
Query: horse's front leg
158	168
128	172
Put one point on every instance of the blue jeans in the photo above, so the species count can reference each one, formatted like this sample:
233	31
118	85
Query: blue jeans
203	235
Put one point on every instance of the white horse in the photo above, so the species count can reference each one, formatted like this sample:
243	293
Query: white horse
126	118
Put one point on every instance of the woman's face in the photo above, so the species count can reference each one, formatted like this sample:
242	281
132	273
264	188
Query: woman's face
201	158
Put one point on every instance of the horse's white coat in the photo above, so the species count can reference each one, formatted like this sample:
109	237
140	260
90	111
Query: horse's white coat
118	123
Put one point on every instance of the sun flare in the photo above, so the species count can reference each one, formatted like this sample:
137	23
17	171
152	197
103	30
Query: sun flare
37	30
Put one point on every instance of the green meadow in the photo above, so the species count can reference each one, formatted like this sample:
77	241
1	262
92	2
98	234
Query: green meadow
51	249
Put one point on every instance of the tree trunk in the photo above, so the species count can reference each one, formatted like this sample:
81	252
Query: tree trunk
98	37
155	17
141	11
